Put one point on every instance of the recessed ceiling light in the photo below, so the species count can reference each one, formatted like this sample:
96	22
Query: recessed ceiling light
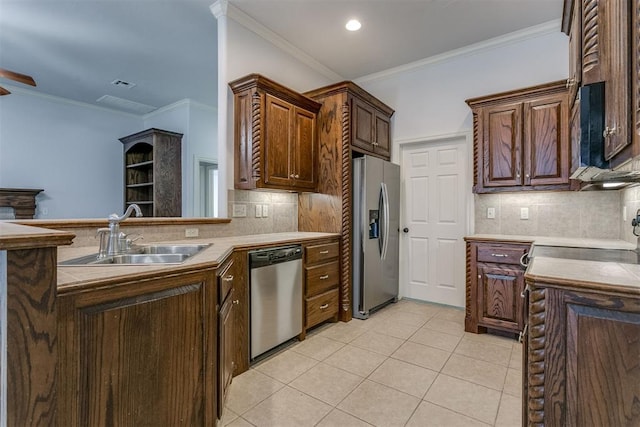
353	25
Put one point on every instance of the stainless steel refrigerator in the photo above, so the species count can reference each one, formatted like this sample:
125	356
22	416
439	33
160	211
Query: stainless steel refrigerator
375	237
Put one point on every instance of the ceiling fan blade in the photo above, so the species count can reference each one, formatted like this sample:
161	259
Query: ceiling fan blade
3	91
22	78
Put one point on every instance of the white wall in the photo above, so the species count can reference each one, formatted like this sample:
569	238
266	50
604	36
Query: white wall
69	149
429	100
242	51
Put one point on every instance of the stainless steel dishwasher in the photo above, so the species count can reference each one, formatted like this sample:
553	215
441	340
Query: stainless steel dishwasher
275	297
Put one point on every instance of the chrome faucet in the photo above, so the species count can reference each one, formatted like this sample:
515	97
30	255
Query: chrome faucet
112	241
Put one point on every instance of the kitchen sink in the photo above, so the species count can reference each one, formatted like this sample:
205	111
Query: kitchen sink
143	254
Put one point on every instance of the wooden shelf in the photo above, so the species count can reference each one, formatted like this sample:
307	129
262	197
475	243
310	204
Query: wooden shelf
143	184
141	164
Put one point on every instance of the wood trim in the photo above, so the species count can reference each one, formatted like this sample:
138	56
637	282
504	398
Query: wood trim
267	85
18	236
345	291
519	94
350	87
56	224
256	141
536	356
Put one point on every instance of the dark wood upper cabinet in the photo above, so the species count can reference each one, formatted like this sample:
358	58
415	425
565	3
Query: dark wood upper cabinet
521	139
371	130
275	136
601	39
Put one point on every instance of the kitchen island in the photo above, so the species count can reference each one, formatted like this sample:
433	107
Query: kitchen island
580	328
129	344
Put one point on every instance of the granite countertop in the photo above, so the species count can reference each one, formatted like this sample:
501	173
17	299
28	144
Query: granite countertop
594	275
71	278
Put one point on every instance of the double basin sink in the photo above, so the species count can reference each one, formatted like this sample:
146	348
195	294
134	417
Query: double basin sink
147	254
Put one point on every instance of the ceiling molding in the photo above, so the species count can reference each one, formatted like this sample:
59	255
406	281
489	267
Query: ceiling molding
513	37
223	7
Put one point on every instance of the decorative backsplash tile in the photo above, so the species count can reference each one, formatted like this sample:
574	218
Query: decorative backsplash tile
587	214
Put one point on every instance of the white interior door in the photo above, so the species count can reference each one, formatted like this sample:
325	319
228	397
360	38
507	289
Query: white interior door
436	194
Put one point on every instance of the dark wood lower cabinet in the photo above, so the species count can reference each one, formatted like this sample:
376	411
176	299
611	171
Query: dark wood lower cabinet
582	358
139	353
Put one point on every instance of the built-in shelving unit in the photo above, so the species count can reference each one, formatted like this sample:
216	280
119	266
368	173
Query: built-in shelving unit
153	173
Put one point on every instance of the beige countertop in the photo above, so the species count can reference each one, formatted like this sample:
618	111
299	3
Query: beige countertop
70	278
16	236
574	242
594	275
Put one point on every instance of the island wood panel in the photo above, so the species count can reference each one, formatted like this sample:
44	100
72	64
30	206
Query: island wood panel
140	353
32	343
583	366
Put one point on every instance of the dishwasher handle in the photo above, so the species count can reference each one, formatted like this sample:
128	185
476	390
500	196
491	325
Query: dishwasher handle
266	257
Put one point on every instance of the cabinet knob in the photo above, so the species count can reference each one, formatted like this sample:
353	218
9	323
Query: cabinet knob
570	82
292	176
517	175
297	176
229	278
608	131
236	301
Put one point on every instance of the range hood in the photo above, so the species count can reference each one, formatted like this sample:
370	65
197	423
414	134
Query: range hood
606	178
594	168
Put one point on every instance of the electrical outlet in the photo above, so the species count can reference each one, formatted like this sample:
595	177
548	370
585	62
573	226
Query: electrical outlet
239	210
524	213
44	211
191	232
624	213
491	213
258	211
265	211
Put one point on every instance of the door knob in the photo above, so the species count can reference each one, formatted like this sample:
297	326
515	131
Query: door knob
406	230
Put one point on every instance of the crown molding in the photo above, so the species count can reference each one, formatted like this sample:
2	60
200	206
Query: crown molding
513	37
224	8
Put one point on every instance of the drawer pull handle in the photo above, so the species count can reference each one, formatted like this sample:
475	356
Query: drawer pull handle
500	255
324	252
229	278
523	334
324	277
236	301
324	306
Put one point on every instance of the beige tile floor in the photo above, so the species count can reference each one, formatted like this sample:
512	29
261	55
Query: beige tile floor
410	364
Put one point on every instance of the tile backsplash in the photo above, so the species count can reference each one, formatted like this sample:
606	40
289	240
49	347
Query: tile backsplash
630	201
585	214
282	211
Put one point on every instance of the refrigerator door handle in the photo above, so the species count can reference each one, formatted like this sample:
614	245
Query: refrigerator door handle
385	226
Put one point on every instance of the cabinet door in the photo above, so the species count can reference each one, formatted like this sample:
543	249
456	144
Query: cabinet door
502	145
363	124
382	136
499	296
591	347
130	345
546	142
574	140
279	116
304	150
617	83
635	76
575	50
595	39
226	347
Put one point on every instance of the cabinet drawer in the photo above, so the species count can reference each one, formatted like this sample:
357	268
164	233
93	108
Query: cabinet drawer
321	277
322	307
501	254
321	253
225	281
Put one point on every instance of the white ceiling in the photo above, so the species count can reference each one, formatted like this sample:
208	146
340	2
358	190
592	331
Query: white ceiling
168	48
